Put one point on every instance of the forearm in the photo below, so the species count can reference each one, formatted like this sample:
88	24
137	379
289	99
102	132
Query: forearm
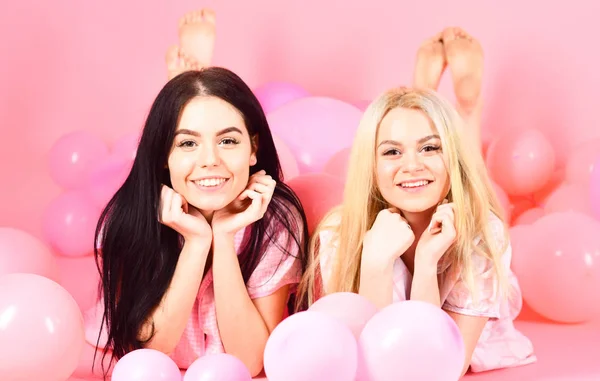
171	316
376	283
425	284
243	331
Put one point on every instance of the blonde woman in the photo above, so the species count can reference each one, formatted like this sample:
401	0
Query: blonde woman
420	221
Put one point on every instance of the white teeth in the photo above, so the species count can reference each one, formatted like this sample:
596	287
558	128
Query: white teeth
210	182
414	184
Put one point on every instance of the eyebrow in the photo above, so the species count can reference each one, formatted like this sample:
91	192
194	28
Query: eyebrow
224	131
420	141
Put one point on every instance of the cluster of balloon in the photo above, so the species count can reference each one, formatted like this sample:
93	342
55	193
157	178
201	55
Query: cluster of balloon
554	213
344	337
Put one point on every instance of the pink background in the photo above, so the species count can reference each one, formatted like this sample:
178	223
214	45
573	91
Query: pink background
69	65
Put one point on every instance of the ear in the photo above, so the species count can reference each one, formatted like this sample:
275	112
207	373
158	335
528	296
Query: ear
254	142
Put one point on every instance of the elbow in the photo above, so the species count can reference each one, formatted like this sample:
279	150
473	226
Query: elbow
256	369
254	365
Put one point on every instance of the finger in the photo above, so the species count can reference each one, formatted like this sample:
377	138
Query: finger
260	188
449	211
448	226
435	226
177	204
256	198
167	200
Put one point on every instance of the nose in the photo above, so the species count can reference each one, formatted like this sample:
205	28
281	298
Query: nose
209	156
412	162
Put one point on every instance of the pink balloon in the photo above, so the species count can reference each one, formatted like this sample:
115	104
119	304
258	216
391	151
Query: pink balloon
41	329
504	200
595	190
146	364
72	156
287	160
581	163
105	179
79	276
69	224
273	95
362	104
337	165
519	205
556	180
126	146
521	162
20	252
310	346
568	197
529	216
560	272
411	340
217	367
299	122
318	193
350	309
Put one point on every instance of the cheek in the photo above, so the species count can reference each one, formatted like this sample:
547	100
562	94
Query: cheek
180	166
439	169
386	172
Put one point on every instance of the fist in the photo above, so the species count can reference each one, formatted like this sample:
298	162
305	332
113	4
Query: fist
389	237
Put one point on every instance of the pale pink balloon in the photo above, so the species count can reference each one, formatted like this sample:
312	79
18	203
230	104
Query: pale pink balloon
318	193
337	165
287	160
79	276
41	329
595	190
521	162
146	364
528	217
106	177
349	308
20	252
310	346
504	200
217	367
581	162
300	122
72	156
69	224
560	273
361	104
411	340
126	146
273	95
568	197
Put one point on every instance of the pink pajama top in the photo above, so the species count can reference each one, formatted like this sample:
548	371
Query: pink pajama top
500	345
201	335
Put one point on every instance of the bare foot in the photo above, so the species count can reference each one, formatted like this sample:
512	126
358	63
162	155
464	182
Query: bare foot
430	63
465	60
197	35
177	62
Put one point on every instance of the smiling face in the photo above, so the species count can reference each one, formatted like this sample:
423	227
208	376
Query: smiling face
211	155
411	169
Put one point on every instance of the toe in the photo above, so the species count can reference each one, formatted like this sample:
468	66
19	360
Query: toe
209	16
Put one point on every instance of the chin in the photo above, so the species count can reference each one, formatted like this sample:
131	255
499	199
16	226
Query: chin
414	207
210	204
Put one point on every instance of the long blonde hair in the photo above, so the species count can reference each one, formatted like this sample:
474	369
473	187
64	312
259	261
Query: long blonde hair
470	190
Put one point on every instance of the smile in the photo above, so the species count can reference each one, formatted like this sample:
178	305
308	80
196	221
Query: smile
212	183
414	186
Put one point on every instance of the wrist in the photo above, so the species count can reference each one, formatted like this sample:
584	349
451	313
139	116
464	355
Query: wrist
222	237
375	264
425	267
